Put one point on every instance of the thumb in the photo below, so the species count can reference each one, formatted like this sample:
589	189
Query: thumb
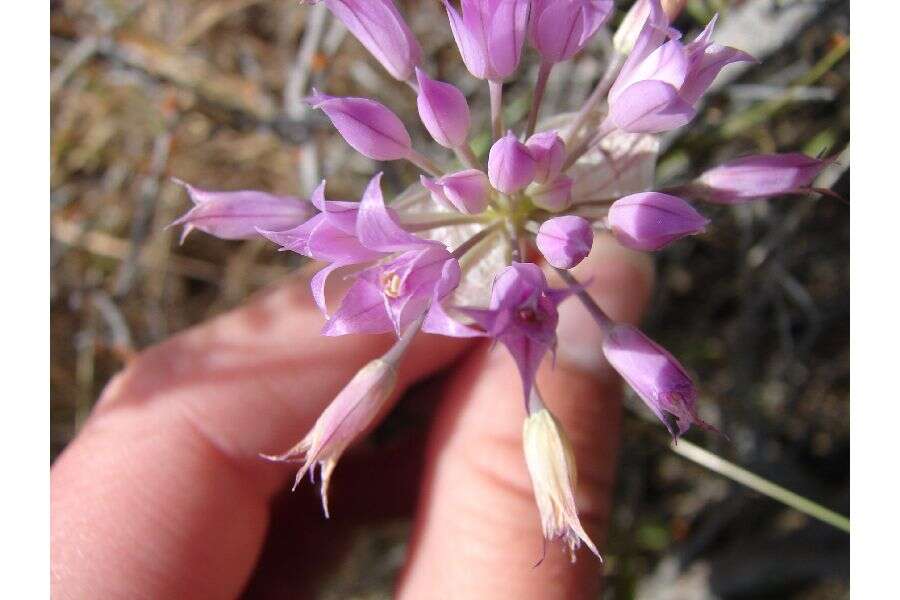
478	532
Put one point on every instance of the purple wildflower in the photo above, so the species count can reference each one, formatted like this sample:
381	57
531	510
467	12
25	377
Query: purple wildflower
238	215
565	241
490	34
370	127
652	220
757	177
549	153
466	191
329	236
522	316
656	376
443	110
378	25
510	164
561	28
390	295
662	79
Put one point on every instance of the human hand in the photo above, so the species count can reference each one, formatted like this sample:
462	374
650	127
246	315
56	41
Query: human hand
163	493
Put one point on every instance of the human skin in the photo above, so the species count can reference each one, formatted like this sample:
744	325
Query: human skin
163	494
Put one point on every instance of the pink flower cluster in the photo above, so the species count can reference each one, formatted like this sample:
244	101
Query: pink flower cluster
537	187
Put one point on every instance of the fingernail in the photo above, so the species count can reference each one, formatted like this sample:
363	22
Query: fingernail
620	282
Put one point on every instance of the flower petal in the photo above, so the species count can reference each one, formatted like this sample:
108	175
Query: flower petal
650	107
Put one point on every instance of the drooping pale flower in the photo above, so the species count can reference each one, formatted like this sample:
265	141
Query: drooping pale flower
555	196
370	127
757	177
342	422
522	315
565	241
655	375
237	215
651	220
510	164
561	28
661	81
443	110
549	153
466	191
490	34
380	27
551	466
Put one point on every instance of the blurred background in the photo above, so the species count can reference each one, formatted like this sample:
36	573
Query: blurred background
210	91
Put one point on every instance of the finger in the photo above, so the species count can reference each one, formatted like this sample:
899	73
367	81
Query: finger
162	493
478	532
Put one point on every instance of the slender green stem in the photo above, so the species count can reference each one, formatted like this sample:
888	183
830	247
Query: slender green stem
515	241
496	91
587	143
730	470
400	347
467	157
424	163
474	240
539	88
534	403
437	221
612	71
592	307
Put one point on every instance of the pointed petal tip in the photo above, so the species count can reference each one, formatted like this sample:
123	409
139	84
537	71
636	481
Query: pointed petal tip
317	198
188	228
421	76
317	98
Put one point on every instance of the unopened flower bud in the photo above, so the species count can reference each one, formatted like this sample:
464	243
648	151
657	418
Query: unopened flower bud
651	220
489	34
238	215
565	241
561	28
756	177
349	415
510	165
443	110
551	465
555	196
466	191
655	375
370	127
380	27
549	152
634	19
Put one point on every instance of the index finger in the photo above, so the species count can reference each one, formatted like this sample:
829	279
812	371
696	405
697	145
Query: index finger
162	494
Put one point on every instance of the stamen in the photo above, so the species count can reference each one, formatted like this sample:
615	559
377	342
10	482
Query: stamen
528	315
391	284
